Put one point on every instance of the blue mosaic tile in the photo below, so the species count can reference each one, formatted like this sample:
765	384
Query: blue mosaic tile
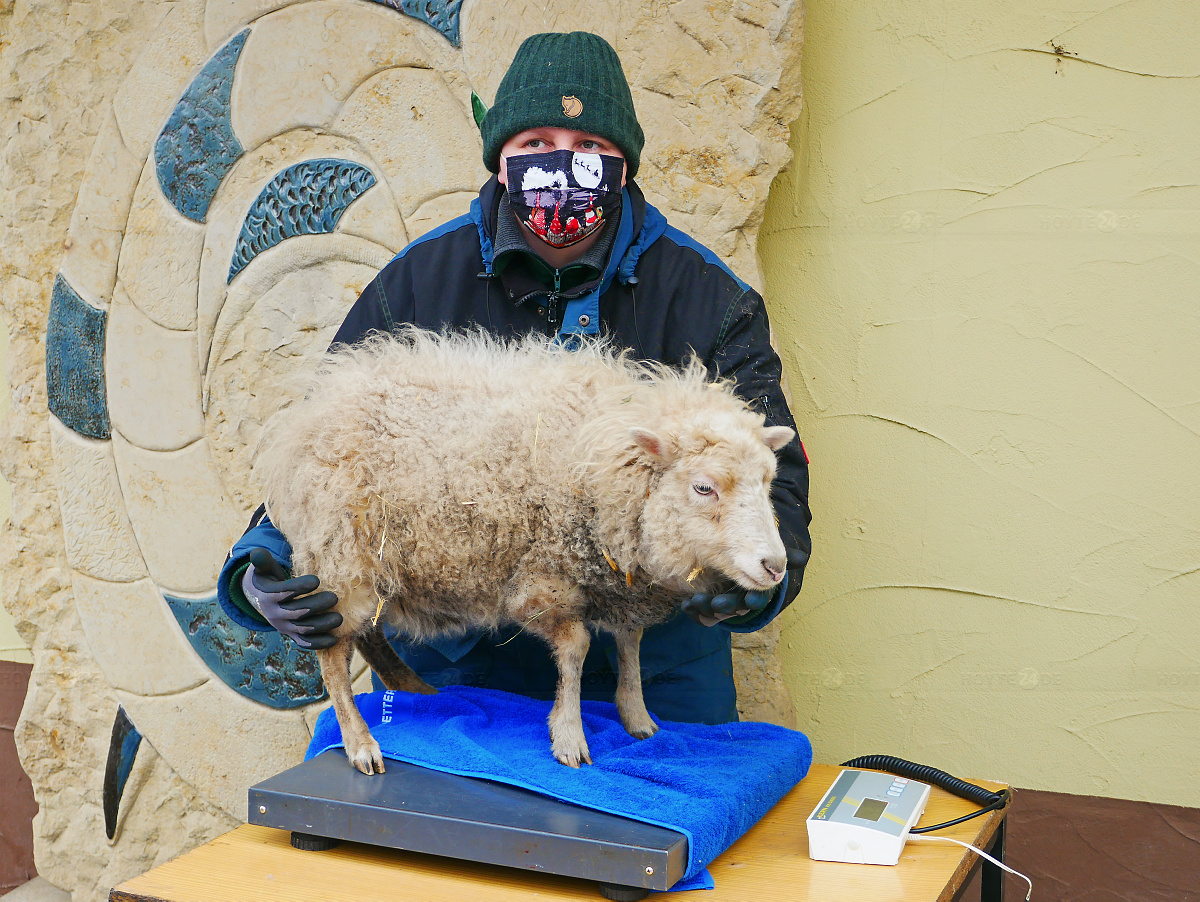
440	14
197	147
261	665
75	389
305	199
122	752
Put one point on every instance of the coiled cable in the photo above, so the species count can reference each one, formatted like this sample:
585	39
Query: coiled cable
992	801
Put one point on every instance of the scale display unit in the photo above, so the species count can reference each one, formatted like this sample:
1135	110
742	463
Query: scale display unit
865	818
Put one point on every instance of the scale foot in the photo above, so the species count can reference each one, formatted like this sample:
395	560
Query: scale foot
307	842
619	893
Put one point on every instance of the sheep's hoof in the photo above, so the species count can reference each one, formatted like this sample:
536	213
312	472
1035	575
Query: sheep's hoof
574	762
367	758
640	727
572	754
643	732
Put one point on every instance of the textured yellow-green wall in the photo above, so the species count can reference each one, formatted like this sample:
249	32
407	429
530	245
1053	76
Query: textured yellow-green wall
11	646
983	268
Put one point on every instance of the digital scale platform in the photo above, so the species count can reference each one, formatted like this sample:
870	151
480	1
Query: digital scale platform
417	809
865	818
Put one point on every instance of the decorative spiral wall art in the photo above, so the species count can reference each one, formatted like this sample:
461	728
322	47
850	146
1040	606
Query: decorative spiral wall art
271	163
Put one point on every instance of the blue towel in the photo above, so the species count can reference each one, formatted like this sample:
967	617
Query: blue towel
710	783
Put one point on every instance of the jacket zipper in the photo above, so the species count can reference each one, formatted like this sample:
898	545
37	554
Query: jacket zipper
552	299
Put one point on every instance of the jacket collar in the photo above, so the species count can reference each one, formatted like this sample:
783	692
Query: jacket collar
640	225
533	275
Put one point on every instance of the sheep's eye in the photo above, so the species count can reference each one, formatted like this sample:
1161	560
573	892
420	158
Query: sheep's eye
702	488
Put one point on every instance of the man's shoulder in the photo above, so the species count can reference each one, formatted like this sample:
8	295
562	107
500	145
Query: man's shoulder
421	284
458	235
689	249
677	269
675	254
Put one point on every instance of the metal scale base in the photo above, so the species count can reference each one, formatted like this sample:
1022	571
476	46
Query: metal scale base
422	810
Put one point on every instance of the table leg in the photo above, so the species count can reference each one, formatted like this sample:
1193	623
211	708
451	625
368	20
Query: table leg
991	879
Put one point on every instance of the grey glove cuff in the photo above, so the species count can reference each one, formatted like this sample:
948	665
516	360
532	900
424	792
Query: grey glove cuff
257	596
706	620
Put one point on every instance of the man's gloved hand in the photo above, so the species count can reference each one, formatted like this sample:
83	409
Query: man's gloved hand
291	604
708	610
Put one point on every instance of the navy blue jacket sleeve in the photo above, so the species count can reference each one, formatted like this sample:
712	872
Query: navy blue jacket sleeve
744	354
262	533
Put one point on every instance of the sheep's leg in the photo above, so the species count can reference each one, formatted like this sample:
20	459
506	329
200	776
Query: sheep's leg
569	640
361	747
391	668
631	704
548	606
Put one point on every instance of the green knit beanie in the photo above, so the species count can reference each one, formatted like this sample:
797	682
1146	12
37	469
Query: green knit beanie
566	80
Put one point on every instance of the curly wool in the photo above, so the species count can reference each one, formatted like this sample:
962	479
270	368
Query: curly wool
437	471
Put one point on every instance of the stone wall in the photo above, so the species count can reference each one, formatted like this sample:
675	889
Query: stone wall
191	194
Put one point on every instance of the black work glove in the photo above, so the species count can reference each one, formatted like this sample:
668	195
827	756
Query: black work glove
291	604
709	610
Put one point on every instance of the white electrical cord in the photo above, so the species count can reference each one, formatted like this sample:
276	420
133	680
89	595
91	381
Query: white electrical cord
924	837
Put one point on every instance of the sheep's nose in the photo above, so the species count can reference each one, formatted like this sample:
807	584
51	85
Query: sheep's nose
774	566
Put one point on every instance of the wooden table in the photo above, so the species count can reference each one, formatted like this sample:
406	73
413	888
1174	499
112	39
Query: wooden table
770	862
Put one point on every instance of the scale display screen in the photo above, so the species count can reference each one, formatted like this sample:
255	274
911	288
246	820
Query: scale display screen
870	809
865	817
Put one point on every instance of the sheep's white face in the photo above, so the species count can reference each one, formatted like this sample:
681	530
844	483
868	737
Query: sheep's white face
710	509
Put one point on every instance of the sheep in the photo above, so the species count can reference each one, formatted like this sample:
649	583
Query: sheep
448	482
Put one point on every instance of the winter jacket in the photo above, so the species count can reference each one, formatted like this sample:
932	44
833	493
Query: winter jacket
662	295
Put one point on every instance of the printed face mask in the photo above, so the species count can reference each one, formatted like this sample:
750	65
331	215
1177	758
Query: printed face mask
563	196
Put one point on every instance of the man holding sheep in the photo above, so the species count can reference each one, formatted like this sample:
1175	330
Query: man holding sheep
561	240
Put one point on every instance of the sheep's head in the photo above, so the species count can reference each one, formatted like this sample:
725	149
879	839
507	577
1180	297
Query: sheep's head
708	514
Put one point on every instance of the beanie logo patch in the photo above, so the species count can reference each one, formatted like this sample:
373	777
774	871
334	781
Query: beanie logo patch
572	106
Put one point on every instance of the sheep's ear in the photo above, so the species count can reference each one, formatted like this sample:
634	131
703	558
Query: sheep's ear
775	437
652	443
